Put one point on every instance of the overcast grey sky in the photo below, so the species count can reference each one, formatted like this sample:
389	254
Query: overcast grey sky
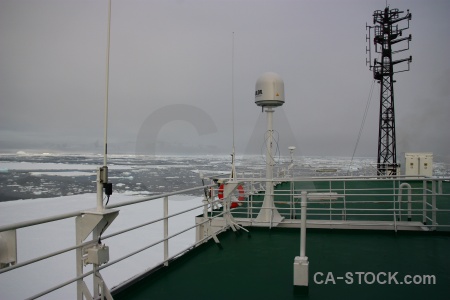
171	66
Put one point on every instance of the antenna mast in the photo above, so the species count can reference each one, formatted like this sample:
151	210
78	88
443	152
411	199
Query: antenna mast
233	165
108	44
387	34
102	172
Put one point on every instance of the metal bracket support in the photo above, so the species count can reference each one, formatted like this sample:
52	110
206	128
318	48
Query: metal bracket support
95	222
8	248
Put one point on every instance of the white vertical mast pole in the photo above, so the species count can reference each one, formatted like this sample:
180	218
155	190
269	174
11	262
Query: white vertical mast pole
108	43
269	155
233	165
102	173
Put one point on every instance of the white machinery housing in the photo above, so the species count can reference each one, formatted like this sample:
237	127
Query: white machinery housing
419	164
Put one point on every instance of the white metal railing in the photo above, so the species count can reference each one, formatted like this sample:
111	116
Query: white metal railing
381	203
335	200
165	219
287	168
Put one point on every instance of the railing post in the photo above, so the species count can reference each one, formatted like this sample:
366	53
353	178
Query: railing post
251	200
329	189
394	209
250	194
433	204
166	230
291	187
424	201
8	248
345	204
303	225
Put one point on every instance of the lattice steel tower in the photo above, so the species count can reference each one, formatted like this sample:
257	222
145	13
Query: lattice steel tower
387	35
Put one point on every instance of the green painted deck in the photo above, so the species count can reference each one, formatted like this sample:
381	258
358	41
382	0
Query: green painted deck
260	266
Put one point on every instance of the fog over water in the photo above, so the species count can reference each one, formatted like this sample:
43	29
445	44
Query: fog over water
171	76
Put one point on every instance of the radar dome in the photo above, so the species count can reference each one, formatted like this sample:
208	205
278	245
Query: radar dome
269	90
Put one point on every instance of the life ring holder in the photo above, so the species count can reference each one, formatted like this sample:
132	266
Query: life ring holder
241	197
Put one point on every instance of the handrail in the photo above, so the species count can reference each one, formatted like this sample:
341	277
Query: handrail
25	263
159	196
400	189
39	221
125	256
351	197
341	207
59	217
79	213
107	265
418	178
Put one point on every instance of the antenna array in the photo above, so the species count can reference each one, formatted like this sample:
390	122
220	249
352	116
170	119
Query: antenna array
387	41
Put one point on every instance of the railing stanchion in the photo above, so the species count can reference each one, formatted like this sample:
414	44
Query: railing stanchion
291	185
303	225
166	230
424	200
433	204
345	204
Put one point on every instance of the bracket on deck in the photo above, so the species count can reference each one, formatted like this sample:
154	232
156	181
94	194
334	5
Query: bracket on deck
95	222
8	248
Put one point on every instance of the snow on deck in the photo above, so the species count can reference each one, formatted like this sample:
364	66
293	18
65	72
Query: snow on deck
42	239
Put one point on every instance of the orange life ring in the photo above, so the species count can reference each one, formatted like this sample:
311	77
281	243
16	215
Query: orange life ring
240	198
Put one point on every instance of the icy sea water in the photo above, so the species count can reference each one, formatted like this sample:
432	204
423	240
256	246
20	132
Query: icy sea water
29	176
41	176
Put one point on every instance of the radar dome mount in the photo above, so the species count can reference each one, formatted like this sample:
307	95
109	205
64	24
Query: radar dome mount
269	93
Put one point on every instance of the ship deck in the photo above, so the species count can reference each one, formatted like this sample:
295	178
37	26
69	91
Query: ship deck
343	263
259	265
